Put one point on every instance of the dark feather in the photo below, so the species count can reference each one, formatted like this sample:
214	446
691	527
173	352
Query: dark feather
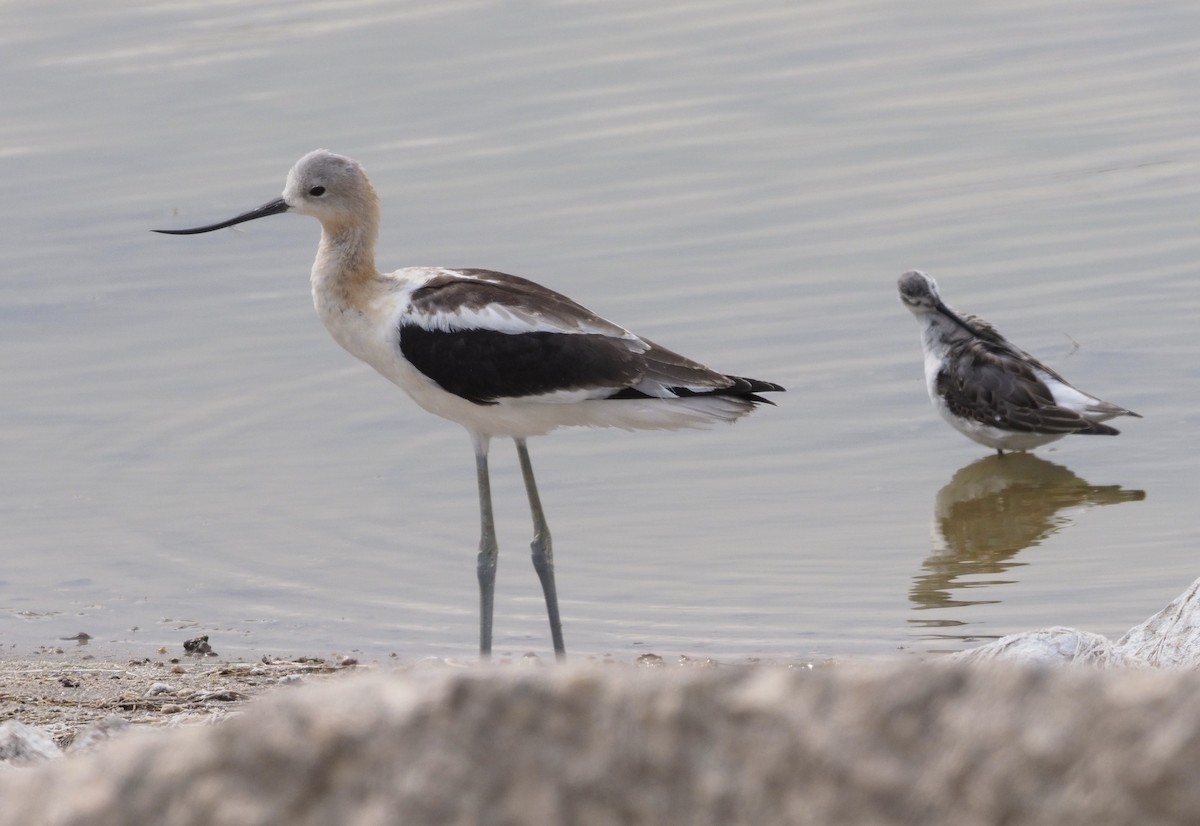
582	351
988	384
474	290
485	365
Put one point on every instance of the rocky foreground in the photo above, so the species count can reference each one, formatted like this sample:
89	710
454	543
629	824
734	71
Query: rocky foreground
961	744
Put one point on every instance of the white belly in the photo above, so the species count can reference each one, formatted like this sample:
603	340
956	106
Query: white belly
994	437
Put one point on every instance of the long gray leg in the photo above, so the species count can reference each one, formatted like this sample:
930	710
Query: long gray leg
488	548
542	552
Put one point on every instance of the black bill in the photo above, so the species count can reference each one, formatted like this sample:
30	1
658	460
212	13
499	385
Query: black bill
271	208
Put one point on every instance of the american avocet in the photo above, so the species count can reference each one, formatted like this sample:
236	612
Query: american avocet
990	390
498	354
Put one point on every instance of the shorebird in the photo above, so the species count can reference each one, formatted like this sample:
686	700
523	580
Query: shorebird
990	390
501	355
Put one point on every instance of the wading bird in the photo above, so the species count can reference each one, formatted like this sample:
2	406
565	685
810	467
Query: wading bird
500	355
988	389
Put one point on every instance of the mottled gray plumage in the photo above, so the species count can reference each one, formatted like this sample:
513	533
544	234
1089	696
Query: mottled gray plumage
991	390
987	384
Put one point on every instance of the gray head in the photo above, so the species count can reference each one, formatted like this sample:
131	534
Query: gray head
332	188
919	293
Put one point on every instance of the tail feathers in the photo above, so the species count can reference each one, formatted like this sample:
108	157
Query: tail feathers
1097	429
740	388
1085	404
1109	409
1103	410
743	385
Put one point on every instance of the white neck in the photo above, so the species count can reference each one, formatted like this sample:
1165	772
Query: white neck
344	266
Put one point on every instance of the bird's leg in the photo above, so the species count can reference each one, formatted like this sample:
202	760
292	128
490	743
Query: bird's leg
542	552
488	549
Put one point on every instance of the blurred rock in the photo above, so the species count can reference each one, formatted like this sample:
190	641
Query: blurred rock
22	745
1169	639
1048	646
101	731
895	744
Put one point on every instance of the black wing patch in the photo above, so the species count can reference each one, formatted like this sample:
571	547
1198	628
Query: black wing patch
484	365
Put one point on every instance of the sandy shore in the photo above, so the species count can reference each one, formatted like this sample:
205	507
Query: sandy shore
61	691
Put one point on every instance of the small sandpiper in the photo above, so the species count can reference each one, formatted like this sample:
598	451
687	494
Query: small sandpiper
991	391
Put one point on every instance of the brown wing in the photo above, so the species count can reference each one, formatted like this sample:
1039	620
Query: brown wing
485	299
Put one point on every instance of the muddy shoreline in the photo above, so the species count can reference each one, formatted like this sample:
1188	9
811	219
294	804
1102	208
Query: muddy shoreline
63	690
61	693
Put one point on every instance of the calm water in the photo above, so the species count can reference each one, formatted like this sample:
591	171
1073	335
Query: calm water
186	451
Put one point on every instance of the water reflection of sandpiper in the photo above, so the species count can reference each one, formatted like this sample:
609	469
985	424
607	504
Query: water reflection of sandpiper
988	512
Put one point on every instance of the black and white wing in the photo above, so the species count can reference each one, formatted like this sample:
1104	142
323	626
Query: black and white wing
487	336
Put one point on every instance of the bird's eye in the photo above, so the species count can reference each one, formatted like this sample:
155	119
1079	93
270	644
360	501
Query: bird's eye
317	191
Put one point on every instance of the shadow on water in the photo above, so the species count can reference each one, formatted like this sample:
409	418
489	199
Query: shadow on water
987	513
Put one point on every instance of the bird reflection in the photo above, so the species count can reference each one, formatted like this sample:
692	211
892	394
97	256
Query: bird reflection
988	512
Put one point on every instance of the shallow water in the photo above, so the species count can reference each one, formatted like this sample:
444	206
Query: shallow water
186	451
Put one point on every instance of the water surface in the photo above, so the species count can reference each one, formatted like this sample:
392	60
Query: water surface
186	451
